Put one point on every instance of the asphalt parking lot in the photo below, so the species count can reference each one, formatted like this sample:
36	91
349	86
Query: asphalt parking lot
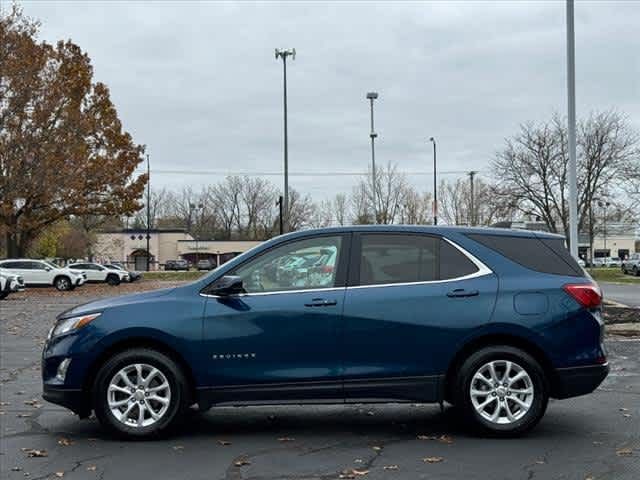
596	436
625	294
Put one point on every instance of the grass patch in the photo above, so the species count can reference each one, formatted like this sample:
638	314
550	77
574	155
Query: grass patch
613	275
173	276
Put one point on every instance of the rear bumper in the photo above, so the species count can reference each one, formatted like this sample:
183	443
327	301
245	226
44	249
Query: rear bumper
576	381
74	400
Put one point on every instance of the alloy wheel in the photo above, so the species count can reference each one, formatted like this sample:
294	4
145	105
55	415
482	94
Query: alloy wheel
501	392
139	395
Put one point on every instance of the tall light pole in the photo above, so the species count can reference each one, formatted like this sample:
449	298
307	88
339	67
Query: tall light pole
196	208
284	53
571	101
435	183
148	211
472	216
371	96
604	204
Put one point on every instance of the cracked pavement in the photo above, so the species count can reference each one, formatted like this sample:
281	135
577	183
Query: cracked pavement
596	436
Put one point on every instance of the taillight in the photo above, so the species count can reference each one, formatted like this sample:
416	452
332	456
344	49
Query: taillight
586	294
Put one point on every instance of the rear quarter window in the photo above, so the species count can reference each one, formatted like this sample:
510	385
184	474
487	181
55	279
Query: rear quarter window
546	255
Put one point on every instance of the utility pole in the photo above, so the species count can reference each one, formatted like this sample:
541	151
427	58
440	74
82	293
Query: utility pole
279	204
148	211
435	184
371	96
571	101
472	216
284	54
604	204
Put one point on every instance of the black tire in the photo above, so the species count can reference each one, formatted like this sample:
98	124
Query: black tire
179	389
113	280
475	362
3	294
636	271
62	283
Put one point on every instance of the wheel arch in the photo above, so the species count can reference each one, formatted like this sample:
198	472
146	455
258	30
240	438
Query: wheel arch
494	339
140	342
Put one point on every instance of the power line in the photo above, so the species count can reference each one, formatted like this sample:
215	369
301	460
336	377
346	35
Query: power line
224	173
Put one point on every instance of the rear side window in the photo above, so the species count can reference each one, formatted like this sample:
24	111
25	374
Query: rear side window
546	255
393	258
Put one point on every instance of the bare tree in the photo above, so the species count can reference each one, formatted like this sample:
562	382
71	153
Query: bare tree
531	172
391	188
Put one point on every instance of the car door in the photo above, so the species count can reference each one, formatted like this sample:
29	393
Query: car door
40	272
278	340
411	299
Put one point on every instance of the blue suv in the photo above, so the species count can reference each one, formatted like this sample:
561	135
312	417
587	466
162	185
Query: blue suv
492	321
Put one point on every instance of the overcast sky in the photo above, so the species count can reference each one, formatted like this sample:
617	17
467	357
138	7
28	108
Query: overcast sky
197	82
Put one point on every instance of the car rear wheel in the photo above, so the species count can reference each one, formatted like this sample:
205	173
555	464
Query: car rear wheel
113	280
502	390
62	284
3	294
140	393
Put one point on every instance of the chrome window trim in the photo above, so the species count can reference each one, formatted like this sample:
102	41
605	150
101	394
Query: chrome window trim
482	271
277	292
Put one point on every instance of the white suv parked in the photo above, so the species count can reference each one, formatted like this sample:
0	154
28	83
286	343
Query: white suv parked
99	273
41	272
10	283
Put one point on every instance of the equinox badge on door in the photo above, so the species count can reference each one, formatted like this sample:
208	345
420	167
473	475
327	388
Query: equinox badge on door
232	356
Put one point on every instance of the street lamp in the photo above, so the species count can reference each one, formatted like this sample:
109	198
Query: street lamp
284	53
371	96
435	183
604	205
148	211
192	207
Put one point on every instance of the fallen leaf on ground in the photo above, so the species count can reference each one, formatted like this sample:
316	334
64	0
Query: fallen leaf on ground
622	409
390	467
626	415
242	462
224	443
445	439
540	462
59	474
432	459
23	415
377	448
178	447
16	469
286	439
427	437
624	452
91	468
33	452
353	473
65	442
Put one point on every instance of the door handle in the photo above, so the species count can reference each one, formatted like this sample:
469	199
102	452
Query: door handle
321	302
461	292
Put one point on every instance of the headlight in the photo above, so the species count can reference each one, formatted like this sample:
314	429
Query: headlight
73	323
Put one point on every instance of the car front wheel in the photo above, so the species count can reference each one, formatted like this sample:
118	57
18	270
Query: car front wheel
140	393
62	284
502	390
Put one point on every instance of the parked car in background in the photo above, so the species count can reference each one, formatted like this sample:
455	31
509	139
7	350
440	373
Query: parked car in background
133	275
421	314
176	265
581	262
97	273
631	265
41	272
10	283
614	262
205	264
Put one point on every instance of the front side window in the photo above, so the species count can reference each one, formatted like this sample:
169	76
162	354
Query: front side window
393	258
299	265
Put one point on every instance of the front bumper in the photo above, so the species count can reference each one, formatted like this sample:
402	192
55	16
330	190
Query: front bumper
576	381
74	400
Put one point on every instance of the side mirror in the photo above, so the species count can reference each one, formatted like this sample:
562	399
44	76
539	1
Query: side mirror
48	269
227	285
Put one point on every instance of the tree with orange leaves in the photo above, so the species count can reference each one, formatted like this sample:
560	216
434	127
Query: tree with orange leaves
63	151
